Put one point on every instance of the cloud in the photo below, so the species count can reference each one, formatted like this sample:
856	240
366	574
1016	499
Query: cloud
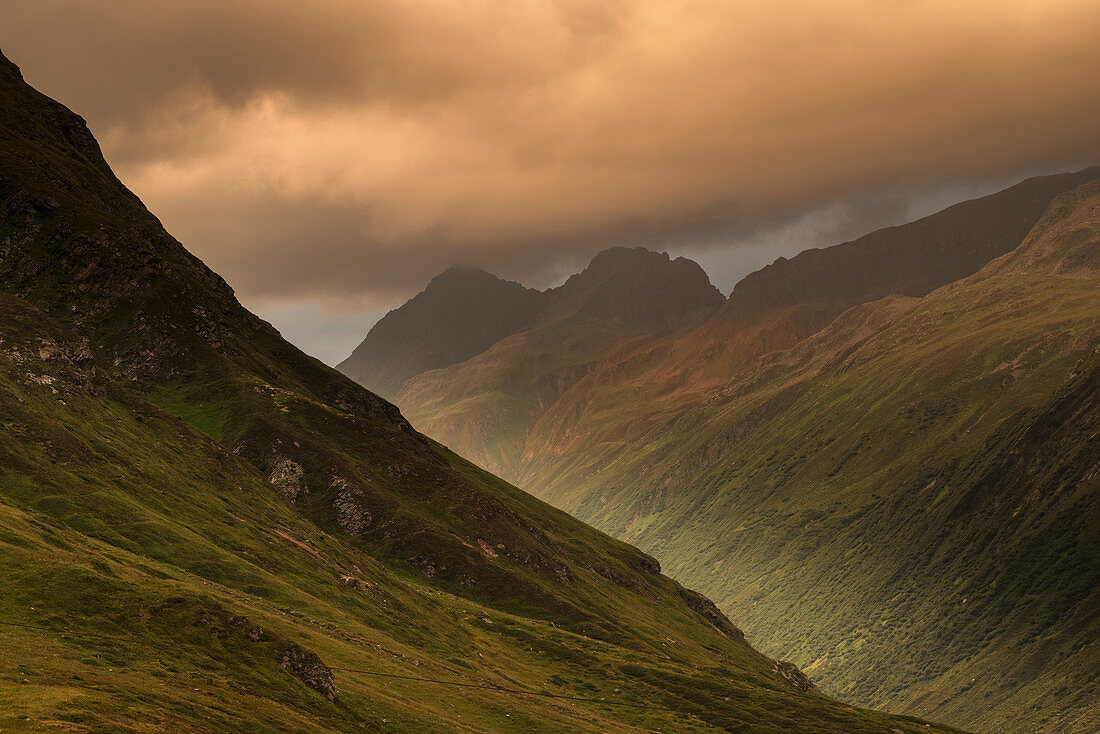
349	150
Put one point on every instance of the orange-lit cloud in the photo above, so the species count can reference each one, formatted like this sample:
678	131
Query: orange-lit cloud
341	148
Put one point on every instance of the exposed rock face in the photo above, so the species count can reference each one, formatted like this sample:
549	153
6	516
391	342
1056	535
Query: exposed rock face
792	676
426	564
649	564
253	632
354	582
287	476
707	609
308	668
350	513
79	356
61	364
220	623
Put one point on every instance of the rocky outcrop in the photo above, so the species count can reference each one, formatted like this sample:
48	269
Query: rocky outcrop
288	477
181	612
649	564
348	398
350	513
77	357
307	667
792	676
707	609
426	564
55	363
352	581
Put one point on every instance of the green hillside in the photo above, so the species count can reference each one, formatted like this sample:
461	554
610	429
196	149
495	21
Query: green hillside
860	439
904	503
203	529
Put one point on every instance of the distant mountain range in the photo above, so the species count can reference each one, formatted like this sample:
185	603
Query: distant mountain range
464	311
204	529
881	456
624	297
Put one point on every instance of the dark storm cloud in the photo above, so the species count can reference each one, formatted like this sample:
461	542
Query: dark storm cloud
345	151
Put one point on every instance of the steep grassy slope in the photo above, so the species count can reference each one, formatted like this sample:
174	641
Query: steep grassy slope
905	503
83	249
461	313
164	582
485	406
203	529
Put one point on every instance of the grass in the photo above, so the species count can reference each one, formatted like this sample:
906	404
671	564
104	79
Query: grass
903	504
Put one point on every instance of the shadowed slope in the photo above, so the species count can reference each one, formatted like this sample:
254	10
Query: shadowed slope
460	314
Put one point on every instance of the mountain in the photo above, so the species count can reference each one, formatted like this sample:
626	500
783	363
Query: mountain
639	291
485	406
203	529
777	306
881	457
921	476
461	313
636	323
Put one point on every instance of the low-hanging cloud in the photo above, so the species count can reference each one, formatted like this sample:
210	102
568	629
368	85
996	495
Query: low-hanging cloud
347	150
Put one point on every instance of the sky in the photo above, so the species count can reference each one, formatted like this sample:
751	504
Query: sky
328	158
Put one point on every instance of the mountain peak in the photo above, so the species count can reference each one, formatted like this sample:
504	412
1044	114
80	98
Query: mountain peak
463	276
621	254
461	313
643	289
